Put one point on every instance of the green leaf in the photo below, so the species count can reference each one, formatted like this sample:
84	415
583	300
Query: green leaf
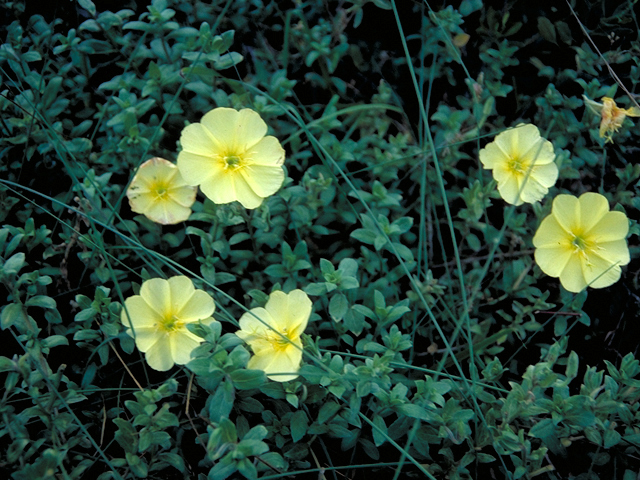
543	429
221	403
338	306
258	432
13	314
41	301
138	465
54	341
369	448
299	425
414	411
247	469
379	433
222	469
315	289
327	411
6	364
13	264
88	6
546	29
247	379
611	438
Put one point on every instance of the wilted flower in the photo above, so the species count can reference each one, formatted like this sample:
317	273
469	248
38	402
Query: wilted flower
228	155
158	318
582	242
522	164
160	193
273	333
612	115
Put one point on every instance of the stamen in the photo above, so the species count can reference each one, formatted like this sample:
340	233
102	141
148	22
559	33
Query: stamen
232	161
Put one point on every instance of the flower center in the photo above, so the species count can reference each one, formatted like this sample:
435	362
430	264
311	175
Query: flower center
579	243
517	166
161	190
232	162
171	324
583	246
280	342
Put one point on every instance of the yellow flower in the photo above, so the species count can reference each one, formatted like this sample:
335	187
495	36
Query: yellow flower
228	155
582	242
273	333
612	115
159	315
522	164
159	192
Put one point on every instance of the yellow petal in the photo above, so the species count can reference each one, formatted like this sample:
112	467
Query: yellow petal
545	175
166	212
159	356
612	226
279	366
552	260
140	313
572	276
278	308
182	344
509	141
155	292
250	128
267	151
600	272
181	290
566	211
140	197
551	234
509	190
532	190
184	196
197	169
290	311
632	112
492	155
615	252
197	139
234	130
539	152
146	337
244	193
593	208
263	180
220	187
199	307
254	324
155	170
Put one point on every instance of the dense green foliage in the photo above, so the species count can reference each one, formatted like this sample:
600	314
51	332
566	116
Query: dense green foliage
437	348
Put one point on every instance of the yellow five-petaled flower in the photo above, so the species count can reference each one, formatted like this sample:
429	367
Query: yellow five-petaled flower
522	164
228	155
273	333
160	193
582	242
158	318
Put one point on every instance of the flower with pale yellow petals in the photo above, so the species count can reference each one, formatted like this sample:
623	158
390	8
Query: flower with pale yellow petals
160	193
228	155
522	164
157	319
273	333
582	242
611	115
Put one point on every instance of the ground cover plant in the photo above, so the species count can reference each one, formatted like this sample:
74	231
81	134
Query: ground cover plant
319	239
